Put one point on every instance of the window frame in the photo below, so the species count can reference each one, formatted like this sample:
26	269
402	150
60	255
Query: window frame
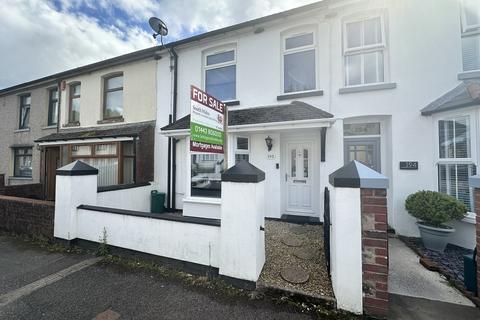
241	151
291	33
472	118
50	106
365	49
468	32
106	90
15	156
21	124
71	96
218	50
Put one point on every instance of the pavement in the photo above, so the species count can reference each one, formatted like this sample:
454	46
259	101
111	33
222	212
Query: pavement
75	287
417	293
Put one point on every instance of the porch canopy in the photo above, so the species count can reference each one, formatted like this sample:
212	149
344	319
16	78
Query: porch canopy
93	134
294	115
466	94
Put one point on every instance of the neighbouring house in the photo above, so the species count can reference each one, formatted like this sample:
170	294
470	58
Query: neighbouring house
389	83
28	111
106	119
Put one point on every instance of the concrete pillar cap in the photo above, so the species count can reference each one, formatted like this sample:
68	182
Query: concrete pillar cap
243	171
357	175
77	168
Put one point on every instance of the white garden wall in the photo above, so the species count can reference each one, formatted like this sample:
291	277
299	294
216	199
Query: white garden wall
137	198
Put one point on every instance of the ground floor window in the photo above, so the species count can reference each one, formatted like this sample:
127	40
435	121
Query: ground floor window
22	162
242	149
206	174
362	143
115	161
453	180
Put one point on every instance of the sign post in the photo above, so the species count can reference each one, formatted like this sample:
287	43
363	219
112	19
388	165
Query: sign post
208	123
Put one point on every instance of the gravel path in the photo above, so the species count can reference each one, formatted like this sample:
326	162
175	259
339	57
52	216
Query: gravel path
280	255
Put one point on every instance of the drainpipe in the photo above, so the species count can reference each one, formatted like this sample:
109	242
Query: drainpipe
172	142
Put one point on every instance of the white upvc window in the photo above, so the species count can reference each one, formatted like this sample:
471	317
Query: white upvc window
242	148
220	73
299	61
455	164
471	35
364	50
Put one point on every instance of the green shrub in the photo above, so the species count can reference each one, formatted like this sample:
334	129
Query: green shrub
435	208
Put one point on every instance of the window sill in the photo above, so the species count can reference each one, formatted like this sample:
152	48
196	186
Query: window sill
19	178
53	126
367	87
71	124
113	120
469	75
21	130
231	103
303	94
203	200
470	218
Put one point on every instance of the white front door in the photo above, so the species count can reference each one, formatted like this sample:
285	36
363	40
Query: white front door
298	177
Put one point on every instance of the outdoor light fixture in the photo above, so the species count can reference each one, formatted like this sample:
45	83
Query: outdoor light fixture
269	143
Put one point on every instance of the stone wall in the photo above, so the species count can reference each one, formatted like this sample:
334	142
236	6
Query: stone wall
27	216
32	191
374	252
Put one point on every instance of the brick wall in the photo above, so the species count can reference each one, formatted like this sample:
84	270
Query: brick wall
375	252
27	216
32	191
477	206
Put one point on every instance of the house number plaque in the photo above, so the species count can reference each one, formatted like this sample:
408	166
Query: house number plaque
408	165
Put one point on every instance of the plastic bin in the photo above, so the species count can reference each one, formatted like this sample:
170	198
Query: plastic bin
470	271
157	202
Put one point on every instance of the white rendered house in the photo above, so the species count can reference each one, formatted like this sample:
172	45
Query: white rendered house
325	84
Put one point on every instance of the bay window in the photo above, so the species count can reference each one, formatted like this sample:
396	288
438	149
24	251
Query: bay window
471	35
206	171
299	62
364	51
455	164
220	74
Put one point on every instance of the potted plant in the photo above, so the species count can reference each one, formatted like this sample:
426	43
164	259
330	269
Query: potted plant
434	209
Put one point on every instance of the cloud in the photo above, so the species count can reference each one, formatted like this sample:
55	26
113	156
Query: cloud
40	38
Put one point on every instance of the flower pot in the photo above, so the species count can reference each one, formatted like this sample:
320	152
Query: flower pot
434	238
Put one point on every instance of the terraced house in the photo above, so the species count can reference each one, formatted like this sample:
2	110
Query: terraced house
103	114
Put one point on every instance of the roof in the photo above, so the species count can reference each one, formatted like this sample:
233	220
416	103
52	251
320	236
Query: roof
357	175
124	130
153	51
465	94
294	111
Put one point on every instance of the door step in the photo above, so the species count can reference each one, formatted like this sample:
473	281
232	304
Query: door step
300	219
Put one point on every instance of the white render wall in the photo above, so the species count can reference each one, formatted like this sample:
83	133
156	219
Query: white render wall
423	59
183	241
137	199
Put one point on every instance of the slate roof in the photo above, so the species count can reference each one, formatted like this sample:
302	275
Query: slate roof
123	130
294	111
465	94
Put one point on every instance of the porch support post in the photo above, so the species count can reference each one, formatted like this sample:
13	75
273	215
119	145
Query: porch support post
242	236
76	184
359	245
475	183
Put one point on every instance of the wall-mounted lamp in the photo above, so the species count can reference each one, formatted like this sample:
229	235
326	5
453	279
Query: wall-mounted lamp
269	143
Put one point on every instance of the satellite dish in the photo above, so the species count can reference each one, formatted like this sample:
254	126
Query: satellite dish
158	26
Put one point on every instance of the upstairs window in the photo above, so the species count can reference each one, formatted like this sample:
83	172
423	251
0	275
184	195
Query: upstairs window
52	107
299	63
364	51
113	97
455	165
25	102
74	114
220	75
471	35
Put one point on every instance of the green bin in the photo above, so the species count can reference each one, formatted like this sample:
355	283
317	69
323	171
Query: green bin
470	269
157	202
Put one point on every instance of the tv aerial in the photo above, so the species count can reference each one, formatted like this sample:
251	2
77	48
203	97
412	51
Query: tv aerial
159	27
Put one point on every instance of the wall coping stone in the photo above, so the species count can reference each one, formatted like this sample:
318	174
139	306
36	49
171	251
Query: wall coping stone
77	168
243	171
357	175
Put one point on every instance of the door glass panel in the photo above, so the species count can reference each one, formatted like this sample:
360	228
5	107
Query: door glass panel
294	163
305	163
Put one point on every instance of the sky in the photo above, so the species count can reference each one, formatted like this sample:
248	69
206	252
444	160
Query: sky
40	38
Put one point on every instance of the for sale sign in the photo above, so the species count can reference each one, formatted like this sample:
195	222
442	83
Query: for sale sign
207	116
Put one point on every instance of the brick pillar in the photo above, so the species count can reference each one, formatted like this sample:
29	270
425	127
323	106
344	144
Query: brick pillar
477	209
374	252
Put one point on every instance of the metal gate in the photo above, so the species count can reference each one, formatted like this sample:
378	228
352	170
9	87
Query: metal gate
326	227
